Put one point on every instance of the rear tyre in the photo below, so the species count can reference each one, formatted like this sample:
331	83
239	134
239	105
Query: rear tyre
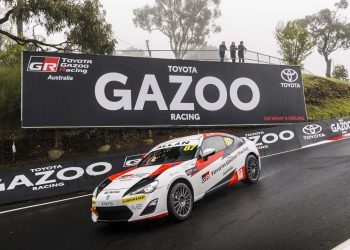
180	201
252	170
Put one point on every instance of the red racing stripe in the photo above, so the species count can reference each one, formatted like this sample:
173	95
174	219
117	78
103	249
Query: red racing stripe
115	176
338	138
164	167
235	179
201	164
206	135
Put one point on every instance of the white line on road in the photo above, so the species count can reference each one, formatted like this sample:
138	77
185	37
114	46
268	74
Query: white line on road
343	246
46	203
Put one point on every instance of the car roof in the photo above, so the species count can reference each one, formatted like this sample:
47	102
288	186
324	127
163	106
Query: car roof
197	137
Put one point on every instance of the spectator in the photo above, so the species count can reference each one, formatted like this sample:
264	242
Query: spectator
241	50
222	49
233	49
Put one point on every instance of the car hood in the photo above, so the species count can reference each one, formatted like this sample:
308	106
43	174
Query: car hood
130	177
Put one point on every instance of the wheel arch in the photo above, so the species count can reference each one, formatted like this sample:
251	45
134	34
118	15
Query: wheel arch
254	154
184	180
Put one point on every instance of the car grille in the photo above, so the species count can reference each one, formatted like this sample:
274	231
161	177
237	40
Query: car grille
120	213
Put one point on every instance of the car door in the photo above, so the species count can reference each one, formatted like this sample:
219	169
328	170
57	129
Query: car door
235	159
208	168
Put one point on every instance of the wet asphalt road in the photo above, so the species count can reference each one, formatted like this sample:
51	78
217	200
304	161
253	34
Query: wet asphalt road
301	202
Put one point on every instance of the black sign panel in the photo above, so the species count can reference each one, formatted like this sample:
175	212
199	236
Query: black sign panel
58	178
274	140
75	90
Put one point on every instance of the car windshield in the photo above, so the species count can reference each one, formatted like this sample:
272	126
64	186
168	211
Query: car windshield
169	155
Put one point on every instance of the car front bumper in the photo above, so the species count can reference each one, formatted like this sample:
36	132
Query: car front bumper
130	208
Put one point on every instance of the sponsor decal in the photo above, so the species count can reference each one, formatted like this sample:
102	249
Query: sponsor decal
112	192
190	143
313	131
134	199
191	171
132	176
107	204
340	126
290	76
63	65
263	140
228	141
228	161
43	64
227	171
240	173
53	176
136	206
205	177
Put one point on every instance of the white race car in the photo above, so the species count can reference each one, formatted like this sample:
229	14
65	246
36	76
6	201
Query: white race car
174	175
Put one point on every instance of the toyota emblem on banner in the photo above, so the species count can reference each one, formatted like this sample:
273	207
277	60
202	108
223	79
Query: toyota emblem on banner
312	129
289	75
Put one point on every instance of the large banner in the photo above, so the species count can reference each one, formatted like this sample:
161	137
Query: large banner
75	90
59	178
279	139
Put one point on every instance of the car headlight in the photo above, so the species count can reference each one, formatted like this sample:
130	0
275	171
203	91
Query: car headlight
149	188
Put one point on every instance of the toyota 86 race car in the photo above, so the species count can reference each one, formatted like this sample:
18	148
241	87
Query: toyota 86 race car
174	175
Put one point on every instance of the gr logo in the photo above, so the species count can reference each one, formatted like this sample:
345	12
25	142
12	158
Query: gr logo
43	64
289	75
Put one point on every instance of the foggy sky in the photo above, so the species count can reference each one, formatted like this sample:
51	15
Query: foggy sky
252	21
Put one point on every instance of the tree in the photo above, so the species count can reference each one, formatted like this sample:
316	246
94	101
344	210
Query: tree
10	86
187	23
82	24
341	73
331	31
294	42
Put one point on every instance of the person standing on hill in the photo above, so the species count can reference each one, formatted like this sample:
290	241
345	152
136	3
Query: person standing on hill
233	49
222	49
241	50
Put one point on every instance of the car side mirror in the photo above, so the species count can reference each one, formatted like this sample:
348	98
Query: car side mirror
208	152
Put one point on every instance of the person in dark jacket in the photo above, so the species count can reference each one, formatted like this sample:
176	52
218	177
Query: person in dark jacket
233	49
222	49
241	50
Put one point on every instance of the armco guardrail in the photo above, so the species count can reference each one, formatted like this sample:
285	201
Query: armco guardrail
48	180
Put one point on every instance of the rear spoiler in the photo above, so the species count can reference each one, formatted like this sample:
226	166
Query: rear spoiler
132	160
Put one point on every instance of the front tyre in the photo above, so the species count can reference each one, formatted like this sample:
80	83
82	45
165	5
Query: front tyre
180	201
252	169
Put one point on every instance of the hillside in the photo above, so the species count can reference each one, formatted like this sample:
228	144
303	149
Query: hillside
326	97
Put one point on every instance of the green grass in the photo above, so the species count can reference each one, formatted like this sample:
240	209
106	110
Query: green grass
326	97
